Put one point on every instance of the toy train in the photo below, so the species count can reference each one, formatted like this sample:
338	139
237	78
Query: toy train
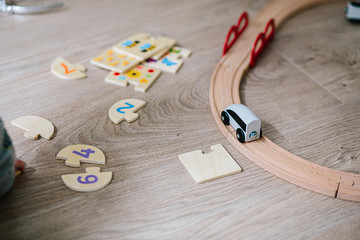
352	10
246	124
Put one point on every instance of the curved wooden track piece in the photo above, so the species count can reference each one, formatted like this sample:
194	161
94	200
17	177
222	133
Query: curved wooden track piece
224	90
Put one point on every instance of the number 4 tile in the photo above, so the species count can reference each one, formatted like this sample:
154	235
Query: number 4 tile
75	154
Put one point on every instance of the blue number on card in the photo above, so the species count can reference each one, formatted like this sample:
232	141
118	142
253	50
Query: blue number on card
87	179
86	151
129	105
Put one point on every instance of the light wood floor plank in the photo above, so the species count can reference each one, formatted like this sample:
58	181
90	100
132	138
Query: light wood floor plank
297	89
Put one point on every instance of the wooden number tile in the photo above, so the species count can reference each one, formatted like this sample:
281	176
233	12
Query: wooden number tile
125	109
64	69
92	180
75	154
35	127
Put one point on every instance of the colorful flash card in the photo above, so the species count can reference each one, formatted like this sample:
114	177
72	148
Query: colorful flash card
125	109
140	76
140	46
207	167
182	52
35	127
170	42
63	69
171	62
75	154
92	180
114	61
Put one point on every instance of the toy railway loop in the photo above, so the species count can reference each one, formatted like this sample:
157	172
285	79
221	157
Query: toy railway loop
224	90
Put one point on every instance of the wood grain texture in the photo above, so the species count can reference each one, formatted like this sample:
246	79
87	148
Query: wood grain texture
151	194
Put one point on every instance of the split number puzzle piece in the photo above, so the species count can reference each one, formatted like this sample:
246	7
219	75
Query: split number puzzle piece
141	46
140	76
125	109
35	127
171	62
113	61
92	180
63	69
75	154
207	167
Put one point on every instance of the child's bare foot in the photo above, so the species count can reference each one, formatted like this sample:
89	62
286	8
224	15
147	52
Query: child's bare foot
19	166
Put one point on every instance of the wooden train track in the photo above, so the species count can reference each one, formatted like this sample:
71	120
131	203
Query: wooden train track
224	90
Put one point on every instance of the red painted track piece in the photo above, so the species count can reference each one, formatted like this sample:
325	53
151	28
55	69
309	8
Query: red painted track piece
265	37
236	31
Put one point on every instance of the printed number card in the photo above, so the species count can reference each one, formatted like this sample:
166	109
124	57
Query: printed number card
141	77
92	180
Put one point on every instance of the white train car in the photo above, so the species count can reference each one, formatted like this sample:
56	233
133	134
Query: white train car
246	124
353	10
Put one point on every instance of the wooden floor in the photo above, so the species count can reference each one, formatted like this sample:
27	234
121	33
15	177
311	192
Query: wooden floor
305	89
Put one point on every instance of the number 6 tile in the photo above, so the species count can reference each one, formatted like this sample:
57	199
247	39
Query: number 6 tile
92	180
